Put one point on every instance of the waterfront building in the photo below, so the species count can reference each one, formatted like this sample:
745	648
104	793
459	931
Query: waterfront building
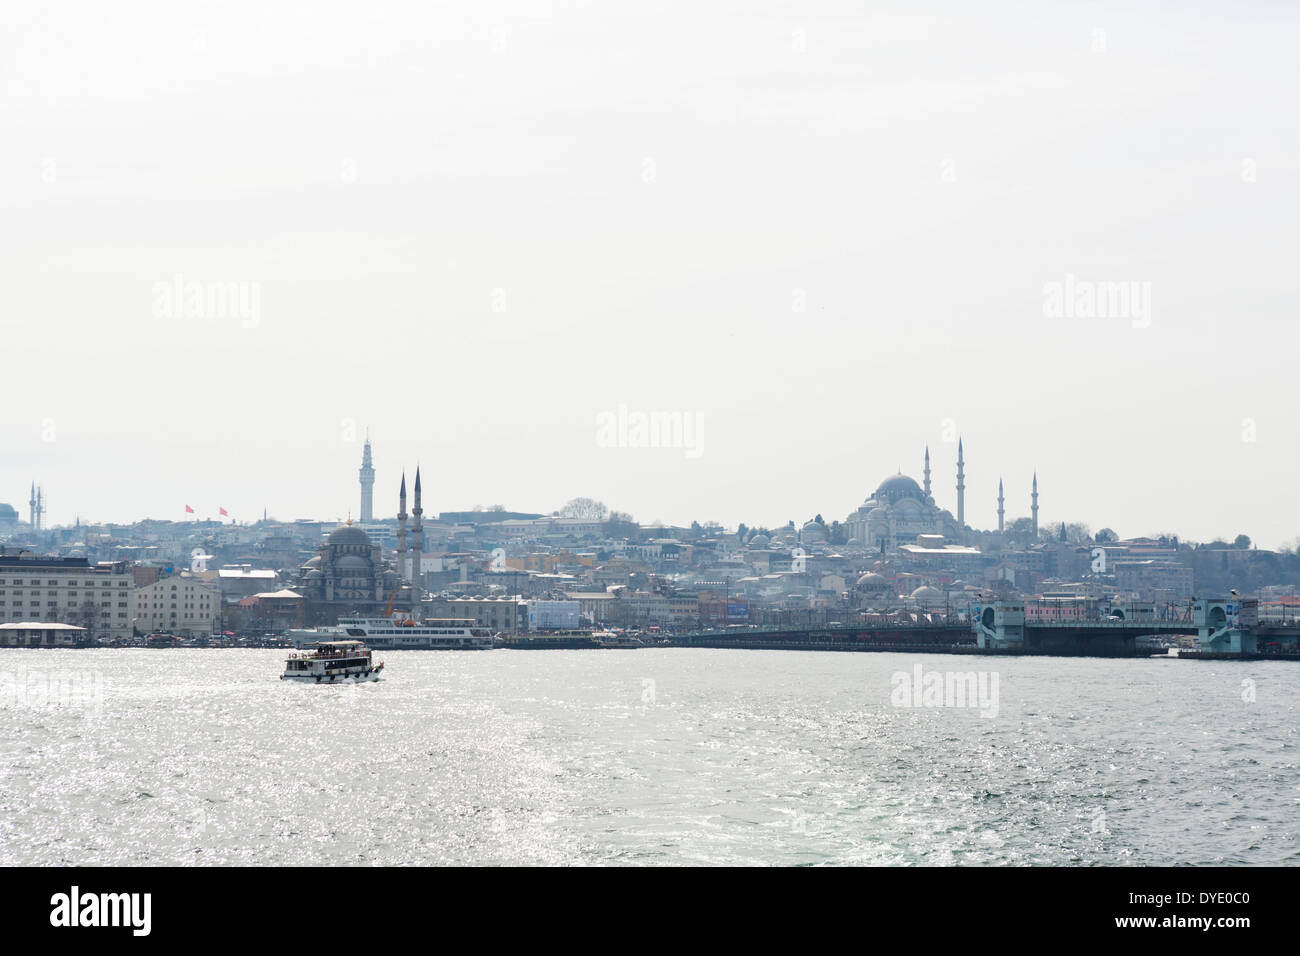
275	610
38	634
181	604
508	614
240	581
553	615
50	589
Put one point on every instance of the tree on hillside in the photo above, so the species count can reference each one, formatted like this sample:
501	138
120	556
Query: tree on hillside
837	535
587	508
620	525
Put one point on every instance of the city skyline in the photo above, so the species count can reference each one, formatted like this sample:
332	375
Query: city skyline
929	469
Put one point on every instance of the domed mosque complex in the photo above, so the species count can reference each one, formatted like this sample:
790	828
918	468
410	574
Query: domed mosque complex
902	514
348	570
349	575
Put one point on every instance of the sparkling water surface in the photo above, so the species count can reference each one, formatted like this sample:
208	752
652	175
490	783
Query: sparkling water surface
648	756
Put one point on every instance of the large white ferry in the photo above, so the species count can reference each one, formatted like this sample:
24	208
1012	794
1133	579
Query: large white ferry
438	634
332	662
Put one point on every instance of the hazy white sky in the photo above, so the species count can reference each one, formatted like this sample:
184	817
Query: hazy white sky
475	228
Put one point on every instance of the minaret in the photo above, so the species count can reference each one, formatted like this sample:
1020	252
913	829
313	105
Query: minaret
40	508
367	484
31	508
417	539
927	471
401	532
1002	511
961	488
1034	510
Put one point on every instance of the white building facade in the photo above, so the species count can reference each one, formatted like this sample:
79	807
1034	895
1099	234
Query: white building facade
181	605
49	589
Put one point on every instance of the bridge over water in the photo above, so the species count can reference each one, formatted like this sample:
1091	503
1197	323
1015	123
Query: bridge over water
836	637
1217	623
1002	628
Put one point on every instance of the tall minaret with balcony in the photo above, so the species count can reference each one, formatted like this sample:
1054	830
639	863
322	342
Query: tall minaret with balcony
1034	510
367	485
1002	509
927	472
31	508
961	489
401	531
417	539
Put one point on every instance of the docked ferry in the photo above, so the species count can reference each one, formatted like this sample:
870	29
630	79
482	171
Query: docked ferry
613	639
332	662
394	634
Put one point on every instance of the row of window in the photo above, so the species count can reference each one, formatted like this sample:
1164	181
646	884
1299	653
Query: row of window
71	594
89	596
51	615
56	603
68	584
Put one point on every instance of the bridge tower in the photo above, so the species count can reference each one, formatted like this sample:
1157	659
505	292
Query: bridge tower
999	625
1219	627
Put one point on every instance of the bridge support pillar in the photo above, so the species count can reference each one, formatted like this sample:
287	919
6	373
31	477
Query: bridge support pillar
1217	629
999	626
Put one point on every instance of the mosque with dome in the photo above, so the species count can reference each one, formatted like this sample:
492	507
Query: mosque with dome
349	575
899	510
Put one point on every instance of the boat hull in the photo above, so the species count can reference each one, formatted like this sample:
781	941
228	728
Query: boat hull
359	678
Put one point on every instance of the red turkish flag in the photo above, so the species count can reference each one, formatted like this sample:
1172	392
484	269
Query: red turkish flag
223	511
189	510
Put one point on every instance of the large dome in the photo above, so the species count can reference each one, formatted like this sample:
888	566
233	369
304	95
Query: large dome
872	582
897	487
348	535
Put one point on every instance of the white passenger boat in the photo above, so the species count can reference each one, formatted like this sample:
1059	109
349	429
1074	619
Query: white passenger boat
394	634
332	662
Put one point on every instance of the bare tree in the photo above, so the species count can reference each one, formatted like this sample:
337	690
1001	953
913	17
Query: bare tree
588	508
